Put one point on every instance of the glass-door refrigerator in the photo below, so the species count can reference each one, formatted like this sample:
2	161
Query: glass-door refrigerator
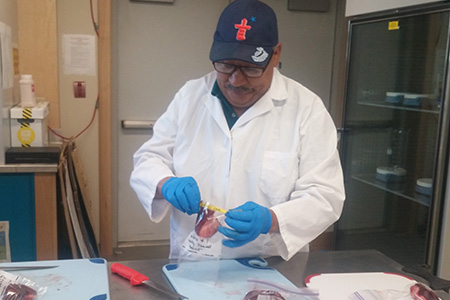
394	138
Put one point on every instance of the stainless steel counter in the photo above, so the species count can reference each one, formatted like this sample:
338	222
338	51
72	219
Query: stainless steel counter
296	270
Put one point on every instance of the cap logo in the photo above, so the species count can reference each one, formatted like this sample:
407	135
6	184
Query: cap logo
260	55
242	29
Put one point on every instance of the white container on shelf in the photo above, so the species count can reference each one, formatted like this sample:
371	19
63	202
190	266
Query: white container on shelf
27	97
29	125
390	174
394	98
424	186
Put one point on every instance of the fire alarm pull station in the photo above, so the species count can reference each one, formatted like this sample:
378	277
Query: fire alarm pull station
79	89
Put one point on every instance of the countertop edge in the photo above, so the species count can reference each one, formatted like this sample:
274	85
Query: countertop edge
28	168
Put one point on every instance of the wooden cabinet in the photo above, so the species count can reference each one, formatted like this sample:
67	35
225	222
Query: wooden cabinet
28	200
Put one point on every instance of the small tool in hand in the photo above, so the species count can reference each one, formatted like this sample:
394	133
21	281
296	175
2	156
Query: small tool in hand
137	278
212	207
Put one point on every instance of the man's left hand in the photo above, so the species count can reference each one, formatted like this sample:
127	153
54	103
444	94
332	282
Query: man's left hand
247	222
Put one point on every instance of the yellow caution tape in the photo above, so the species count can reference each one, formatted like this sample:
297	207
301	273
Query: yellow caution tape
27	113
25	134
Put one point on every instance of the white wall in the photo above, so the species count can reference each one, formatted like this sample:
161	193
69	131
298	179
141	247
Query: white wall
357	7
74	17
8	16
308	41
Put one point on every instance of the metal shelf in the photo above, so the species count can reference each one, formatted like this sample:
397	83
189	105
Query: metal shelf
402	189
399	107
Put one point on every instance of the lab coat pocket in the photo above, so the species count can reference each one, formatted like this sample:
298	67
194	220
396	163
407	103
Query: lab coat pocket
278	175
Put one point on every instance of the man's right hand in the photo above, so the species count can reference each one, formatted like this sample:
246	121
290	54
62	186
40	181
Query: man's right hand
183	193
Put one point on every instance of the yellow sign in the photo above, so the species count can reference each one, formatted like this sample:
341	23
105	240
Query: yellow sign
393	25
26	136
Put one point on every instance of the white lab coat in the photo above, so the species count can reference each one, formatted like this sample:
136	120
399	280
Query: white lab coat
281	153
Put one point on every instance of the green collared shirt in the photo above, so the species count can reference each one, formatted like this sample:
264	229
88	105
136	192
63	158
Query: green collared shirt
228	111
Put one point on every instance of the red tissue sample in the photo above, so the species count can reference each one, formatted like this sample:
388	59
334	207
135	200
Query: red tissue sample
206	224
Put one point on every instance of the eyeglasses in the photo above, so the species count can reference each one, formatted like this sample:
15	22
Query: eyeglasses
251	72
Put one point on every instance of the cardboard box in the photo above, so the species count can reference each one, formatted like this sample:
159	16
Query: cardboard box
29	125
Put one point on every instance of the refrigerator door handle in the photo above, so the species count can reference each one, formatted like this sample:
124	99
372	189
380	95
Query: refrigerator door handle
135	124
341	131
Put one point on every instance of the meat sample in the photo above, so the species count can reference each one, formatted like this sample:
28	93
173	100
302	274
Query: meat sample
206	224
263	294
420	291
18	291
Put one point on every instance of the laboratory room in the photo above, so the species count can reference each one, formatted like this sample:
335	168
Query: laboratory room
226	149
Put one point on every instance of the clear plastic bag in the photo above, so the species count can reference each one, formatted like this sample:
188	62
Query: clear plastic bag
204	242
380	295
14	287
420	291
266	290
417	291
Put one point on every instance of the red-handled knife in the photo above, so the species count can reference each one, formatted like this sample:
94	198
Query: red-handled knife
137	278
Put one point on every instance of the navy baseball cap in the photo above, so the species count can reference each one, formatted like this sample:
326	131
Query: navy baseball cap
247	30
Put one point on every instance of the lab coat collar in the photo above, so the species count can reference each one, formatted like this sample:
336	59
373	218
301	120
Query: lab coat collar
275	96
277	89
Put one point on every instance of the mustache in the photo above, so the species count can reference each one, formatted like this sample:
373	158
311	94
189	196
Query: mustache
241	89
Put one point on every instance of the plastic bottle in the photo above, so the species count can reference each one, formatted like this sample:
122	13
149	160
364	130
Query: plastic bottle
27	97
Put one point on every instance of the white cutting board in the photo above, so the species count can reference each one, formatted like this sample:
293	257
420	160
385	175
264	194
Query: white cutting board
73	279
338	286
220	279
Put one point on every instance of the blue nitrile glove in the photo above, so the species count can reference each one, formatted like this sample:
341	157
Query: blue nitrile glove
247	222
183	193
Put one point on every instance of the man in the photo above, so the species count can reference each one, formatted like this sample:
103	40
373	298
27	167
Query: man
247	139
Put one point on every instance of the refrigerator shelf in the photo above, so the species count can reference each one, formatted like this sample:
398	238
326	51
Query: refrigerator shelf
399	107
402	189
